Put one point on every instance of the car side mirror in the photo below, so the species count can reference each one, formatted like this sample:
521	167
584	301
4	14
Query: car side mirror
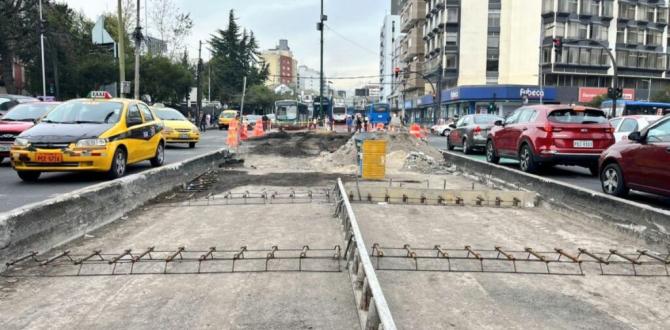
452	125
635	136
499	123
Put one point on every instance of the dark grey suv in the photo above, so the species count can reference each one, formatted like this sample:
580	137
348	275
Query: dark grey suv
470	132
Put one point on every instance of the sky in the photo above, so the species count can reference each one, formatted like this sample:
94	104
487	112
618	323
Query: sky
351	38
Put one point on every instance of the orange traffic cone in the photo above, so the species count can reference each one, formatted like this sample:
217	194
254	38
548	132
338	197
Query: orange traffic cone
415	130
258	129
232	134
244	135
380	127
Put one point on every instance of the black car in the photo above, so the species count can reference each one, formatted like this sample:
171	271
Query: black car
9	101
470	132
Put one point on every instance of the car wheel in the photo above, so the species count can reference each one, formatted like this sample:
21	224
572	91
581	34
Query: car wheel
612	182
119	163
220	128
450	146
466	147
159	158
491	156
526	161
191	145
445	132
593	168
29	176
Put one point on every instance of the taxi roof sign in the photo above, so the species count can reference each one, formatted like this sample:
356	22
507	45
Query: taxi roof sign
99	95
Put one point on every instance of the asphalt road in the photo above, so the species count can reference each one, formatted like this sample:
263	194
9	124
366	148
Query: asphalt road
574	175
15	193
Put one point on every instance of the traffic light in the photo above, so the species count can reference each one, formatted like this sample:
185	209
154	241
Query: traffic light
492	108
615	93
43	26
558	46
396	72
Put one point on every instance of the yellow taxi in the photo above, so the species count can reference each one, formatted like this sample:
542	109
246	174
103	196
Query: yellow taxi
226	117
178	129
100	134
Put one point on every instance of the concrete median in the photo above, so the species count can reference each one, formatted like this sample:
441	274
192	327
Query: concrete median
48	224
650	223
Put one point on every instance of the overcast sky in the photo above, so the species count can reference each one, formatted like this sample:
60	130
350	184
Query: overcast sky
354	52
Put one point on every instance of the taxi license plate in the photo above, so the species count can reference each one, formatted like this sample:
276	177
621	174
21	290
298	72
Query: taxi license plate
49	158
184	136
582	144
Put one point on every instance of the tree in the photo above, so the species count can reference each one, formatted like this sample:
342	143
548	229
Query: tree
596	101
235	56
172	25
18	36
661	96
166	81
260	98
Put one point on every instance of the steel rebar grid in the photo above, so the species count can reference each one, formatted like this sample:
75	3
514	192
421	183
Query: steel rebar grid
423	200
484	257
256	198
150	257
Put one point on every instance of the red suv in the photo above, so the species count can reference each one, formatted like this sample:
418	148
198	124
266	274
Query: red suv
547	135
641	163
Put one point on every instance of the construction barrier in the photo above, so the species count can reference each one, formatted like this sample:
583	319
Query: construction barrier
380	127
416	131
233	140
244	133
258	129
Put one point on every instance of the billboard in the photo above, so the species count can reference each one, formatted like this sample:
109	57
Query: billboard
587	94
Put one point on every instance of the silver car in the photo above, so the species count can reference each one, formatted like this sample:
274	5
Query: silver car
470	132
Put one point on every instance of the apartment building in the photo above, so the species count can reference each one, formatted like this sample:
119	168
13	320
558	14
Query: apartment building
282	66
412	50
389	33
501	52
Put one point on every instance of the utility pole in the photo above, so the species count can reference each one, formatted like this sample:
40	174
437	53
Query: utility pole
198	83
138	44
122	50
441	68
209	79
44	79
320	27
244	93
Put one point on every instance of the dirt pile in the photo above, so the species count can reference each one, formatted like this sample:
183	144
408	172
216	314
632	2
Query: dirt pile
303	144
403	152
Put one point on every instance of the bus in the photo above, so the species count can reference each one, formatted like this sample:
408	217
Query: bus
379	113
627	108
339	113
327	104
291	114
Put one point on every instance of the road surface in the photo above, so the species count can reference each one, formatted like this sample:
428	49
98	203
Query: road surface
574	175
15	193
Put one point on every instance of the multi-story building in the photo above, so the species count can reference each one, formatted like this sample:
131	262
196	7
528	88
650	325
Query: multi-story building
501	53
282	66
395	7
389	33
308	80
412	18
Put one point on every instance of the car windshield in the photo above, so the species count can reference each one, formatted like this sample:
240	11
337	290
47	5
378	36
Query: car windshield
228	115
28	111
380	108
285	112
85	112
571	116
169	114
486	119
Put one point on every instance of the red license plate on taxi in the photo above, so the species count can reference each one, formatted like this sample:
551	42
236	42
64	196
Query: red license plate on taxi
48	157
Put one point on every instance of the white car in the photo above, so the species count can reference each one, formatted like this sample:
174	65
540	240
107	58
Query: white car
625	125
442	129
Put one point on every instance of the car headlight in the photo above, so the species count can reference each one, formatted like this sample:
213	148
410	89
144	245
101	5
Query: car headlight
20	142
168	130
195	129
92	143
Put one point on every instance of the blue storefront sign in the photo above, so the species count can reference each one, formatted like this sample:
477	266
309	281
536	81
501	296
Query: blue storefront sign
498	93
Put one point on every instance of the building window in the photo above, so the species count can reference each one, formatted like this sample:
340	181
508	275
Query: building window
452	14
451	38
577	30
560	29
451	61
626	10
621	56
632	60
654	37
590	7
621	35
599	32
642	60
546	55
645	13
567	6
493	40
632	35
492	60
547	6
662	16
573	55
608	8
494	18
585	56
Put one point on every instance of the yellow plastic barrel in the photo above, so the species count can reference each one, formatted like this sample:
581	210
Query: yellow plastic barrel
374	159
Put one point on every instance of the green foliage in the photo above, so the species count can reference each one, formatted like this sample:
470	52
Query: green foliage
235	55
597	101
661	96
18	36
164	80
260	99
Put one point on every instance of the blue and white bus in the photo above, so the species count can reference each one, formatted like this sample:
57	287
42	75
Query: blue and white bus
627	108
379	113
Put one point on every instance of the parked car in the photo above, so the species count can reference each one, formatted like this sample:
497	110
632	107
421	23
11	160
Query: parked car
547	135
178	129
625	125
19	119
640	163
441	129
470	132
9	101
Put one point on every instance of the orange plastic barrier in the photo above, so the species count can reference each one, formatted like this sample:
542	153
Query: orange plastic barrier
244	135
258	129
380	127
233	140
415	130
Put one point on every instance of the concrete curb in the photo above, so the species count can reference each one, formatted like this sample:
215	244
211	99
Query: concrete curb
648	222
48	224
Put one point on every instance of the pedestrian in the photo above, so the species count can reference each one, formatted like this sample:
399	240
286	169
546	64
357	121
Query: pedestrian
203	123
266	122
208	119
349	122
365	123
359	123
395	123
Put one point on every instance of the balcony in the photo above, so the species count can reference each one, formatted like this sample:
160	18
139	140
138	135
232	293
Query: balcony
414	81
414	48
413	12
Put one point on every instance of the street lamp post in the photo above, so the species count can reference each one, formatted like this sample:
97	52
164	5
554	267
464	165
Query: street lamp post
44	81
138	44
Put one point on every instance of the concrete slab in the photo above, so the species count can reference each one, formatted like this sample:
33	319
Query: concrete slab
221	301
429	300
